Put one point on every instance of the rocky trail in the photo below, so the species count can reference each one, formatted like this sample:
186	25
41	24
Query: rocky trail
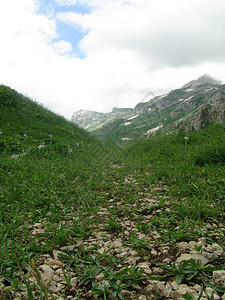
130	256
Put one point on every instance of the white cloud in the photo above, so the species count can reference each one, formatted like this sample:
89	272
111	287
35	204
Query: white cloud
66	2
131	47
62	47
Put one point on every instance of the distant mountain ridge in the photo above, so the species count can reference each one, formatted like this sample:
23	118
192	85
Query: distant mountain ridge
92	120
176	109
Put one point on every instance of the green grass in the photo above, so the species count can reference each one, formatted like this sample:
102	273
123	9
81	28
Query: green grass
51	198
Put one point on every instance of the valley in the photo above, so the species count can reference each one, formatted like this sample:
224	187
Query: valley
87	218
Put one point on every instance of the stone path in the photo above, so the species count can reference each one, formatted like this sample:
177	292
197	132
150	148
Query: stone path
125	241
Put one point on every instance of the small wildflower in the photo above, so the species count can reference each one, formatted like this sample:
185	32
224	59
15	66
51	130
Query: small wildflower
50	135
41	146
186	138
25	134
70	150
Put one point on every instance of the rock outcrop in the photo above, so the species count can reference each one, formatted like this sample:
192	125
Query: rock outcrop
208	114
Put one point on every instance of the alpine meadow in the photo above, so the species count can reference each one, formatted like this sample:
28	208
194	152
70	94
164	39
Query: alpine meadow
86	216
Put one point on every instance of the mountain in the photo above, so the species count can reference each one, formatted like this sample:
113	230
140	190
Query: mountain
92	120
168	112
24	123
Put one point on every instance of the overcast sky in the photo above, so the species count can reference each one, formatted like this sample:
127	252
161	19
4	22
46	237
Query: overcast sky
97	54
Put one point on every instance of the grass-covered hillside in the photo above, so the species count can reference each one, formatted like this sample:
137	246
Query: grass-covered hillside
24	124
145	221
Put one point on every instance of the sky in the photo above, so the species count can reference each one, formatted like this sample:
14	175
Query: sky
99	54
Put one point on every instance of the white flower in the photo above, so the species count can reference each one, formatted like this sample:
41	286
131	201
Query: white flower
41	146
0	131
25	134
186	138
70	150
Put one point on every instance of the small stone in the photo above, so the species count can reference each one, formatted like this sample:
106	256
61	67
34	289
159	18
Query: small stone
212	294
217	250
47	274
202	241
132	260
53	288
126	293
197	288
192	243
117	244
73	282
219	277
102	250
56	278
156	287
167	260
183	246
168	289
142	297
70	247
137	287
55	262
133	253
158	271
182	290
56	253
154	252
175	285
194	256
99	277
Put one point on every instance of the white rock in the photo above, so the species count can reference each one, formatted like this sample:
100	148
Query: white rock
183	289
158	271
156	287
142	297
56	253
192	243
219	277
70	247
217	249
212	294
167	260
183	246
99	277
55	262
54	288
73	281
201	241
102	250
47	274
168	289
194	256
117	244
154	252
175	285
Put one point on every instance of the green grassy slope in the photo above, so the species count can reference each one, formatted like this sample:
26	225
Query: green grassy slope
24	123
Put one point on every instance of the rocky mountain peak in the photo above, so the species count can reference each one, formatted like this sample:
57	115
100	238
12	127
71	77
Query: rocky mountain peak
204	79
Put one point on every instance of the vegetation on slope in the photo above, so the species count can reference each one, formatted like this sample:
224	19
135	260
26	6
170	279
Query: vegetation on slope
25	123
